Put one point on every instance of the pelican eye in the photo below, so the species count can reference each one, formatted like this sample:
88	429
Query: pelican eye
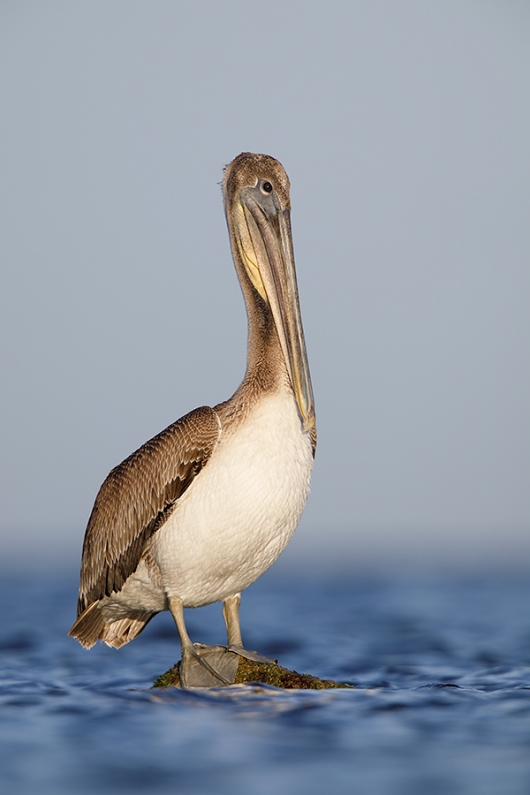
266	187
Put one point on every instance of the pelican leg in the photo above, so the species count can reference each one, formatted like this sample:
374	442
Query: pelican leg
233	630
231	617
201	666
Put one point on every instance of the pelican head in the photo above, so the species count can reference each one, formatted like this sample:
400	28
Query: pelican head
257	206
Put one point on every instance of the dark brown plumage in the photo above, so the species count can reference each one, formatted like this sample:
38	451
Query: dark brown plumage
136	498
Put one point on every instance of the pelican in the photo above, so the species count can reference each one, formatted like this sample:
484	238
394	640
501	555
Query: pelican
200	511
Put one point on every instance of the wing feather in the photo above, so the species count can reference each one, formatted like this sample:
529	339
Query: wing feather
136	499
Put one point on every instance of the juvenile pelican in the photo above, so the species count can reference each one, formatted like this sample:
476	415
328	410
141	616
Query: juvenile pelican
203	509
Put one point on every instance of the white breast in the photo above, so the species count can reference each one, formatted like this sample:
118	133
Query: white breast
241	510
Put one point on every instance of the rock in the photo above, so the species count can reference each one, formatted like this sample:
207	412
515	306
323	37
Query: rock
269	674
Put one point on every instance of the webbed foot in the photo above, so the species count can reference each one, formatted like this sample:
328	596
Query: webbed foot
251	655
214	666
207	666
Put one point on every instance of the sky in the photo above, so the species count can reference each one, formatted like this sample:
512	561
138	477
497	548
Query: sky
404	128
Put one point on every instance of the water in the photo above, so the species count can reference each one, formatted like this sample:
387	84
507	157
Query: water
441	705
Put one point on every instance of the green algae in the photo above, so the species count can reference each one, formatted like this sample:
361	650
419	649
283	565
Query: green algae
265	673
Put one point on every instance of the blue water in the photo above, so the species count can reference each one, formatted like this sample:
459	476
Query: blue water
441	705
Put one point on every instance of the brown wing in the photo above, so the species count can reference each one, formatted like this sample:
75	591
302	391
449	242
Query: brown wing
136	499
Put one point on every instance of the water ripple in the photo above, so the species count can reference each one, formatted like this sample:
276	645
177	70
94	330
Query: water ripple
441	705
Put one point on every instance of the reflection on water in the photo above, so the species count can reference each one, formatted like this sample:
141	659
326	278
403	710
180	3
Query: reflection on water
441	705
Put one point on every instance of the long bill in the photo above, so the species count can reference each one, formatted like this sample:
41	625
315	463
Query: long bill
263	233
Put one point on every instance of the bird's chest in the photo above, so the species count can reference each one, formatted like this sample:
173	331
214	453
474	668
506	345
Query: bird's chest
242	509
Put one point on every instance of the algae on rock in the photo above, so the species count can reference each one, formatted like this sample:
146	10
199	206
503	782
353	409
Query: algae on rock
266	673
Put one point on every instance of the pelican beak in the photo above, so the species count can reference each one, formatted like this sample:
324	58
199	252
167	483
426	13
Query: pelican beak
263	234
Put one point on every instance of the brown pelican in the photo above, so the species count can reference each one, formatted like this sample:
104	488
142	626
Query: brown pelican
200	511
